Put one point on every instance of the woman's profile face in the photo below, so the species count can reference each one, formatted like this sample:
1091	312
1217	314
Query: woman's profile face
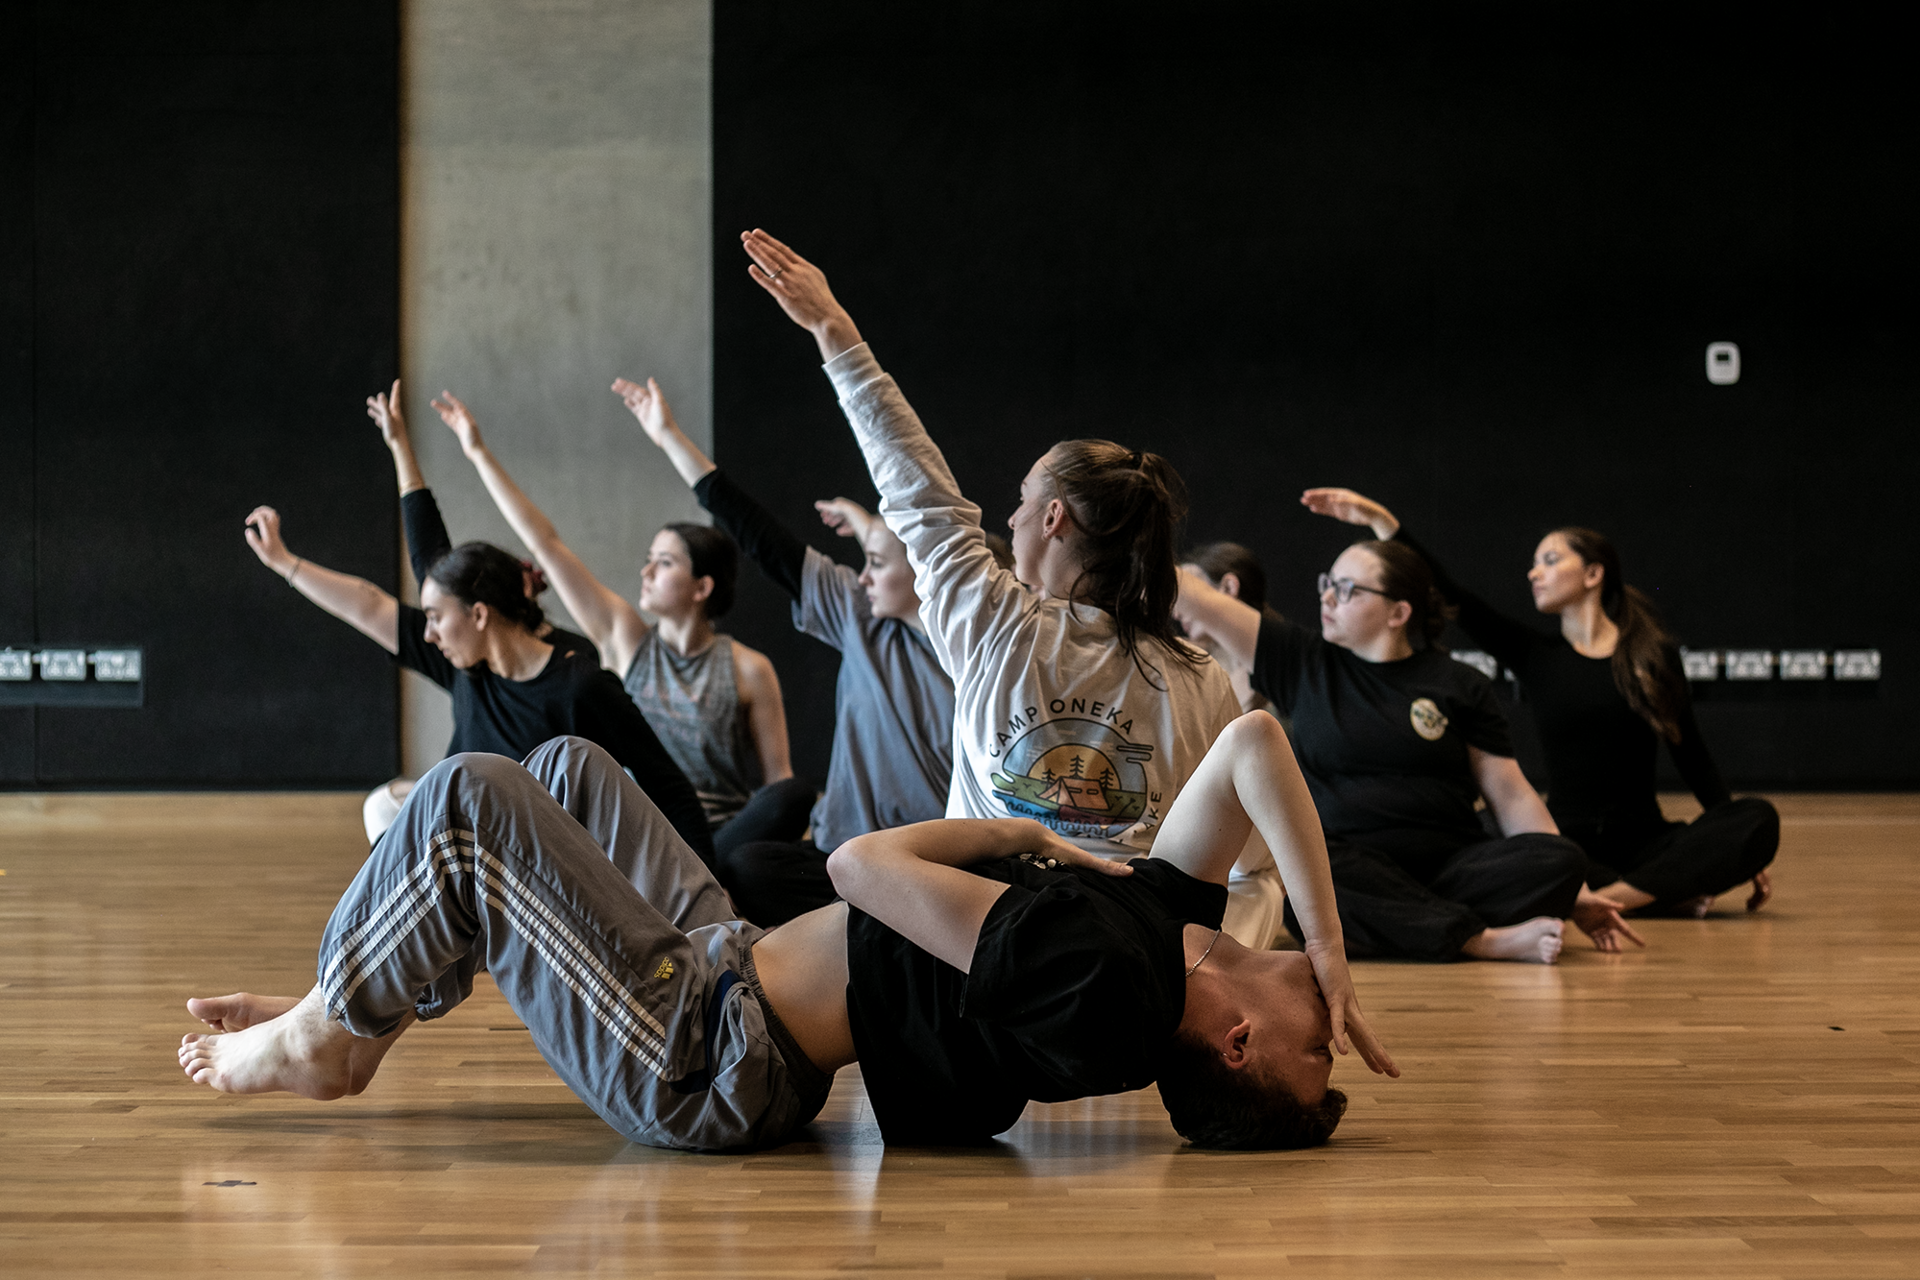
451	627
1366	615
887	577
668	588
1559	576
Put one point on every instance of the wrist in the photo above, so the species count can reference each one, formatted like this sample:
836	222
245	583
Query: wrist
835	333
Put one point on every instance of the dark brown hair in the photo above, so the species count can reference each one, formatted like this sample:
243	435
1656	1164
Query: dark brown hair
1643	667
1405	575
1212	1105
481	573
1218	559
1126	505
713	555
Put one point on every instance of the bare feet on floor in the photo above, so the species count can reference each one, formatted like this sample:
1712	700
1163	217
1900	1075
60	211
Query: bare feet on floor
1536	941
1762	891
299	1051
240	1010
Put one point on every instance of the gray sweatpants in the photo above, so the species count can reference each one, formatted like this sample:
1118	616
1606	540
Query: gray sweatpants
605	932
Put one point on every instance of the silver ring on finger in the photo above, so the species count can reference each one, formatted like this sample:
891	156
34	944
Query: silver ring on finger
776	273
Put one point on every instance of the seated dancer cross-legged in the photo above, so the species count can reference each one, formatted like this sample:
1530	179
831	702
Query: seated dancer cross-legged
478	636
714	702
427	540
1076	702
1396	744
893	703
974	966
1606	689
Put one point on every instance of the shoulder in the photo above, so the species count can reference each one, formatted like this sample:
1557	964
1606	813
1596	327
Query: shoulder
753	668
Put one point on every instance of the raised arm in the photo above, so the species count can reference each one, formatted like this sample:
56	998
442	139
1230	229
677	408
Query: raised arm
1214	618
766	542
965	595
384	408
908	878
1249	782
615	626
355	601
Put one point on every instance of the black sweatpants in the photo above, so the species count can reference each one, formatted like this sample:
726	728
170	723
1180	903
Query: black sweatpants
1428	909
1678	861
777	811
772	881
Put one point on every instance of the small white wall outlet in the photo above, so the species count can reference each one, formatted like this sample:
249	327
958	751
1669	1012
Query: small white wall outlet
1723	363
115	664
1856	664
1749	664
1803	664
1701	664
16	664
1485	663
62	664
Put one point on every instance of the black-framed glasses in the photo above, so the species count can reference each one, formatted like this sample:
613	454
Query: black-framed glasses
1343	588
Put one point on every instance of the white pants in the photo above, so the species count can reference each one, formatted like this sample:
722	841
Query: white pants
383	806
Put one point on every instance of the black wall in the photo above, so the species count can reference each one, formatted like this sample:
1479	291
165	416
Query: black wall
199	252
1466	259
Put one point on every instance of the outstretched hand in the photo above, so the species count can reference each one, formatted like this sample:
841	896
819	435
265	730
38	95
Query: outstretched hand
1352	508
844	516
459	419
649	404
1350	1027
384	408
801	290
1599	918
1048	844
263	535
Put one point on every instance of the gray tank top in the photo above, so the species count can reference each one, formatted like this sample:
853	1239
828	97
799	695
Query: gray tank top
694	706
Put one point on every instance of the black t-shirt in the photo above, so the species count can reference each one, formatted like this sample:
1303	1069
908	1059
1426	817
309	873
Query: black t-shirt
572	694
1383	745
1077	986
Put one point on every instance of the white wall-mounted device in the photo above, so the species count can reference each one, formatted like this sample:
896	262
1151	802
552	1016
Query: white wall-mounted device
1723	363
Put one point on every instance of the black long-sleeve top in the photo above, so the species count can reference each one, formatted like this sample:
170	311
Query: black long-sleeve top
1600	754
767	542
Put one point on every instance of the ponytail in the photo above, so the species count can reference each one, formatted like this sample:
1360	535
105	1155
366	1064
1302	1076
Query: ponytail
1643	667
481	573
1405	575
1126	505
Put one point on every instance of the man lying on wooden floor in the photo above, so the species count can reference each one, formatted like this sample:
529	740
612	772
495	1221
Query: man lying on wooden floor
1038	972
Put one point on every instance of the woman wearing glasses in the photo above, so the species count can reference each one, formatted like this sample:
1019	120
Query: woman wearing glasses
1397	741
1606	689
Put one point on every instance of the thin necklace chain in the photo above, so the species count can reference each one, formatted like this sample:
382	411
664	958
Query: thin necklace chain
1204	954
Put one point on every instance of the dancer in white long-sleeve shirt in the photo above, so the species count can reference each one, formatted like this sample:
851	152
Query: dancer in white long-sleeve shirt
1076	702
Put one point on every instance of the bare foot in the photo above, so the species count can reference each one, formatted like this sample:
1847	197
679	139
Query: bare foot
1762	891
1697	908
300	1051
240	1010
1536	941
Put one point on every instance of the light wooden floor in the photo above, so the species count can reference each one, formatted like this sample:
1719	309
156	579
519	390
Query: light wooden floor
1741	1100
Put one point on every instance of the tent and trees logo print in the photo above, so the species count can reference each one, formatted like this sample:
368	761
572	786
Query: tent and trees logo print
1080	777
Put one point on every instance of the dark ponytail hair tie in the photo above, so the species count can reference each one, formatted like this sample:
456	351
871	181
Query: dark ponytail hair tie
1133	458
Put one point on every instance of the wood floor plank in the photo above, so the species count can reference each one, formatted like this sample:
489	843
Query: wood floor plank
1742	1099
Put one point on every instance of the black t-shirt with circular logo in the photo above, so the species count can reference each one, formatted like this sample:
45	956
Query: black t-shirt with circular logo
1384	744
